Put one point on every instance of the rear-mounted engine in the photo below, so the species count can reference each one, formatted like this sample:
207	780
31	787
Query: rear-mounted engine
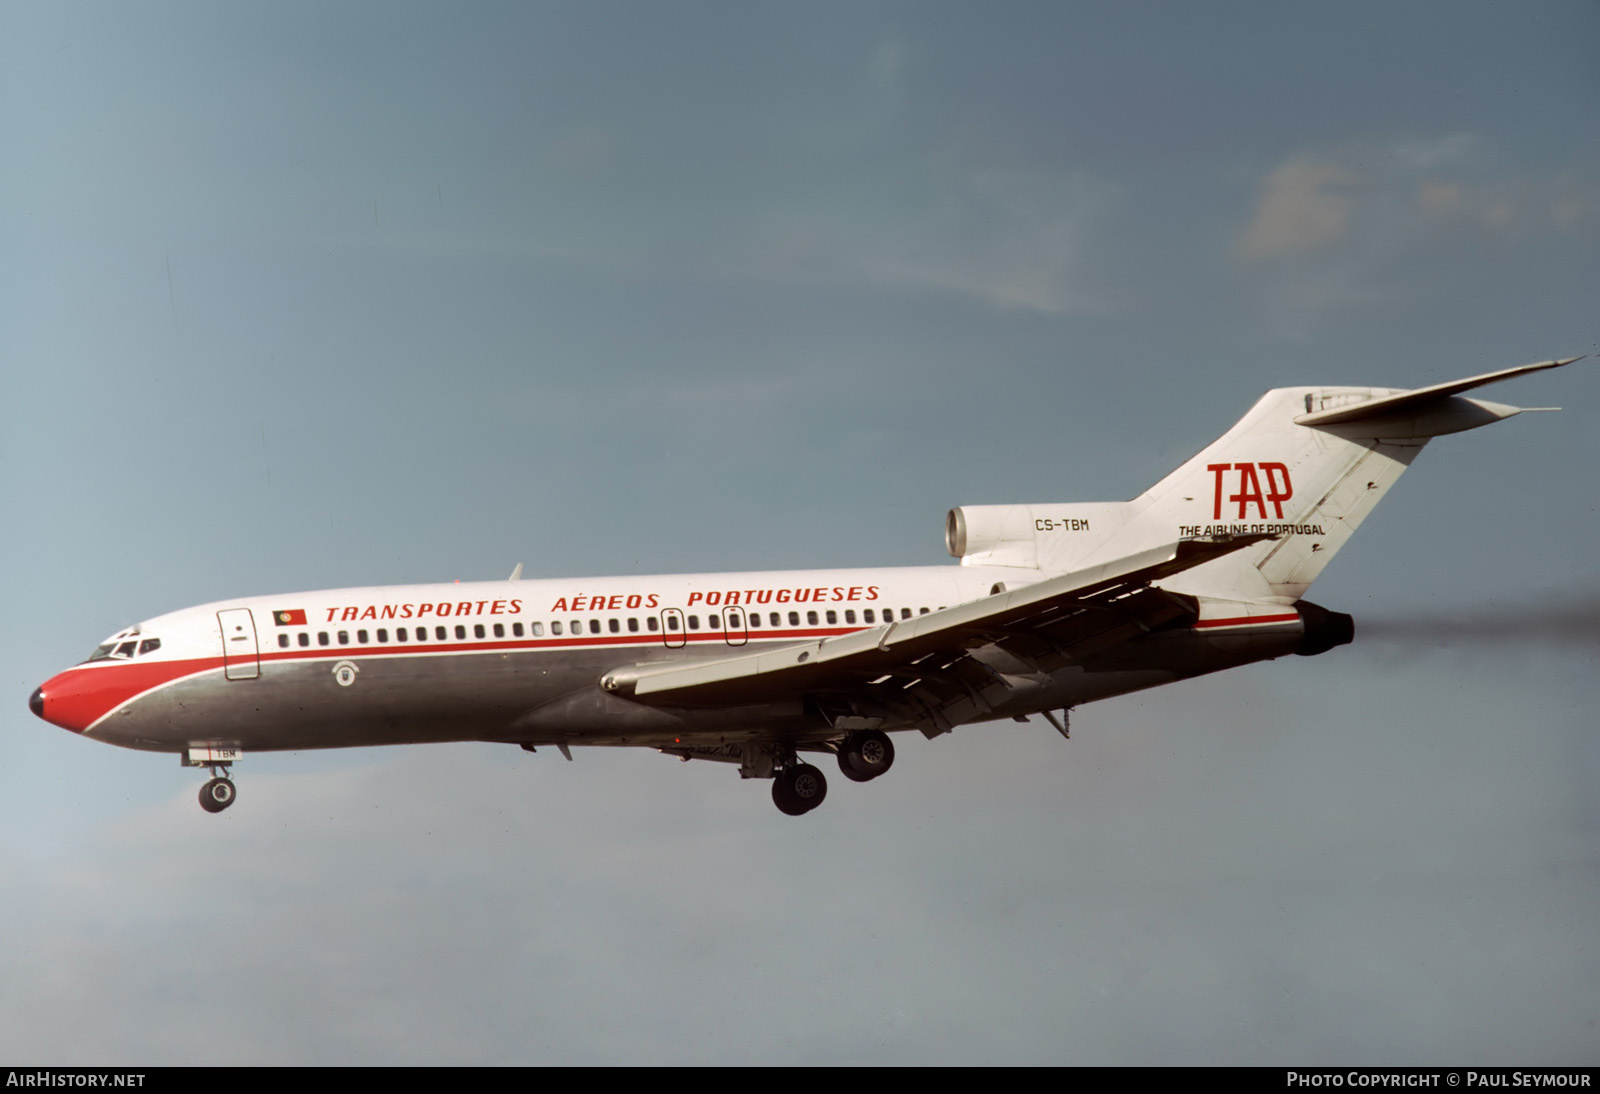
1323	629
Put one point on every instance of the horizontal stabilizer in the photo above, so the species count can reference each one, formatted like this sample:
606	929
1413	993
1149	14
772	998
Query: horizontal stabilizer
1407	404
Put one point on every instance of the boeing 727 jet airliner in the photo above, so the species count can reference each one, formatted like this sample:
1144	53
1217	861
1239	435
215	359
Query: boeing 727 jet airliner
1051	606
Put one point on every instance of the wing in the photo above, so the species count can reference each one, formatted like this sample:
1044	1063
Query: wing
924	667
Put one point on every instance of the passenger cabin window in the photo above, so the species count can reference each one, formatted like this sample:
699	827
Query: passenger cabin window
283	641
305	639
538	629
461	630
615	625
383	634
477	630
344	638
361	637
322	638
555	628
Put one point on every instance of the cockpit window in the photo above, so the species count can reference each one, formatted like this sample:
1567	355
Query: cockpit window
123	646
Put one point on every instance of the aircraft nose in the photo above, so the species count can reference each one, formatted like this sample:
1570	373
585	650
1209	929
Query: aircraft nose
36	702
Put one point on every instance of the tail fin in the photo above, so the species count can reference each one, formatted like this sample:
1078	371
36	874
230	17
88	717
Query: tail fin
1306	464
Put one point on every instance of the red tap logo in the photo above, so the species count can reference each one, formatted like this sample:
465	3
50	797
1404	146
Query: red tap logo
1250	493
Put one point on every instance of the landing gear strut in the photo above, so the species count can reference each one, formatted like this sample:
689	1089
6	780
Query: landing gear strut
219	792
798	788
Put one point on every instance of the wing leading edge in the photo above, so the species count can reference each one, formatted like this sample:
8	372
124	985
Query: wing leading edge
927	660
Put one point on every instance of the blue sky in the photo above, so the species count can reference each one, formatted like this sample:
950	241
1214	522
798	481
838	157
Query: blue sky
304	296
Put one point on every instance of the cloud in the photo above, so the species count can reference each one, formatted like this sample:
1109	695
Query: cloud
1433	153
1011	239
1498	207
1305	207
1007	238
1330	227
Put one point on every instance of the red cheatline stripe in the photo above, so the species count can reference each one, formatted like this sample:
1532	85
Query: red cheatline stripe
83	695
1243	620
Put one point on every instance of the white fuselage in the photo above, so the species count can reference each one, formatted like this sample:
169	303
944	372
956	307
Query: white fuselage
520	660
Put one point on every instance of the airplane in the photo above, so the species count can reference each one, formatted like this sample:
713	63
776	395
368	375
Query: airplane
1049	607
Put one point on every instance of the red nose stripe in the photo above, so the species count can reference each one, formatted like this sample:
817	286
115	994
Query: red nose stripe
81	696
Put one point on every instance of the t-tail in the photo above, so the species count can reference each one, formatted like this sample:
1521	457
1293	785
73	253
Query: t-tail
1304	466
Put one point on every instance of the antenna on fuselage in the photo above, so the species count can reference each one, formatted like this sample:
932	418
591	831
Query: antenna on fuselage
516	575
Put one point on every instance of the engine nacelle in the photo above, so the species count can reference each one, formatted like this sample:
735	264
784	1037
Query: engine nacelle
1050	537
1323	629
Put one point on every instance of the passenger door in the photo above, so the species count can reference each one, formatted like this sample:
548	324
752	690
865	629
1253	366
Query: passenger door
241	659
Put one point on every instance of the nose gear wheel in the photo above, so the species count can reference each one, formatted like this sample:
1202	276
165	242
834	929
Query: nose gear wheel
217	794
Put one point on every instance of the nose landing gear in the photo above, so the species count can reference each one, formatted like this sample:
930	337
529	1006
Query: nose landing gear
219	792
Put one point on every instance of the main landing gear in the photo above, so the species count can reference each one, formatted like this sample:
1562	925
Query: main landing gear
865	755
219	792
799	788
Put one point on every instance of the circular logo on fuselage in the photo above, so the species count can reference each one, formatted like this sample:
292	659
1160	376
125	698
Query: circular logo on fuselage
344	673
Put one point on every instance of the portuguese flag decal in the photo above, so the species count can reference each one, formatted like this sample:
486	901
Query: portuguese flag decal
296	618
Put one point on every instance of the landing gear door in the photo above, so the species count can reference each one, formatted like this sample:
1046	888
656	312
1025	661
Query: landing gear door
240	657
